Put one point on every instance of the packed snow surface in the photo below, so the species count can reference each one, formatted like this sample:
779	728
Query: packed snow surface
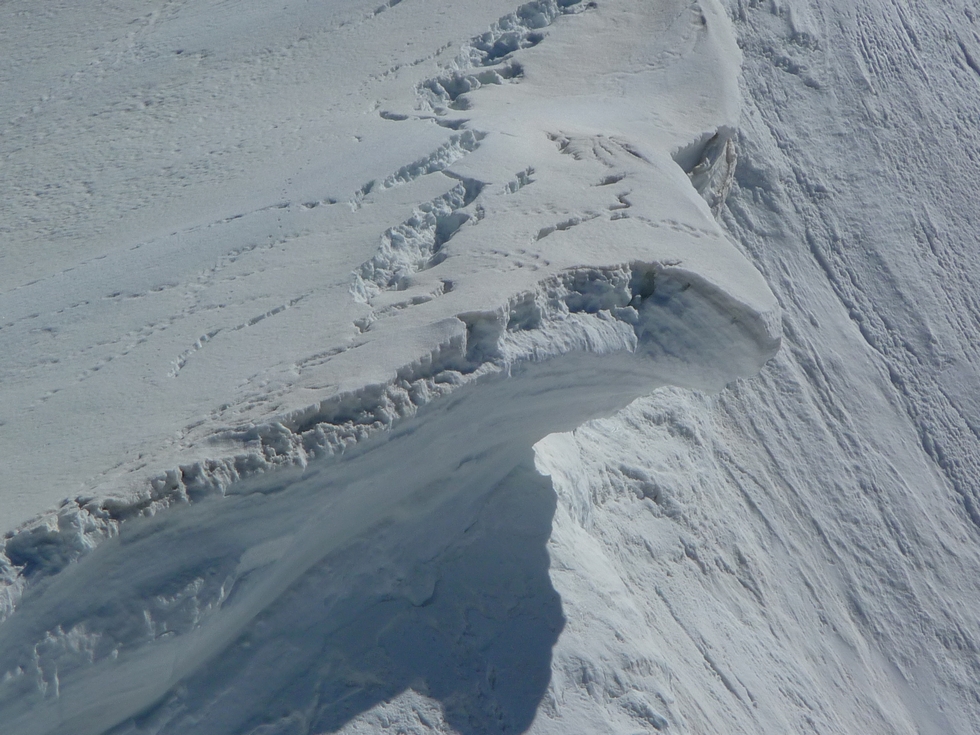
364	367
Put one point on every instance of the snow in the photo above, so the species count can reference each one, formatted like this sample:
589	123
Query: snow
241	313
381	354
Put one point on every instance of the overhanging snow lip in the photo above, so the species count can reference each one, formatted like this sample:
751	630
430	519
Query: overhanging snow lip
527	327
578	310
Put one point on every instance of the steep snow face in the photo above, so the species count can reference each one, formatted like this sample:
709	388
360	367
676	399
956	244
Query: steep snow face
802	553
325	379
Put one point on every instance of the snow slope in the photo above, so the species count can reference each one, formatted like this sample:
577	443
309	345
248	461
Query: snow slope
237	303
473	232
507	251
813	565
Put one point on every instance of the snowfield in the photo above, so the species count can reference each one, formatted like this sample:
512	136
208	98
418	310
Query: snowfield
475	367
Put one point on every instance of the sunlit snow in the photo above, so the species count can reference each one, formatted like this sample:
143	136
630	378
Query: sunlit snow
478	367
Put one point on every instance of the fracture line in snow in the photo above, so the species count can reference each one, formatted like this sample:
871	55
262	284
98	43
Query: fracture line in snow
439	160
415	244
485	59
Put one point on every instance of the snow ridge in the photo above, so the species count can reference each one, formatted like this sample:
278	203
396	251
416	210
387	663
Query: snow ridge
594	310
560	302
584	313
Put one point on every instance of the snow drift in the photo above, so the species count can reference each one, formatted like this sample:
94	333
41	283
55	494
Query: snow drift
548	260
296	289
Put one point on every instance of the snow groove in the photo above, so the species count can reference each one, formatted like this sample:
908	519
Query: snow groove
565	225
521	179
485	59
439	160
415	244
385	6
446	92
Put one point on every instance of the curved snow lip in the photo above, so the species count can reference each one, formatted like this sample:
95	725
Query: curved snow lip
584	343
468	355
462	347
697	334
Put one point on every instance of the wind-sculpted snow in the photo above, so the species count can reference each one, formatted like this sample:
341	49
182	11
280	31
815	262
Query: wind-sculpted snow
584	345
328	384
486	58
